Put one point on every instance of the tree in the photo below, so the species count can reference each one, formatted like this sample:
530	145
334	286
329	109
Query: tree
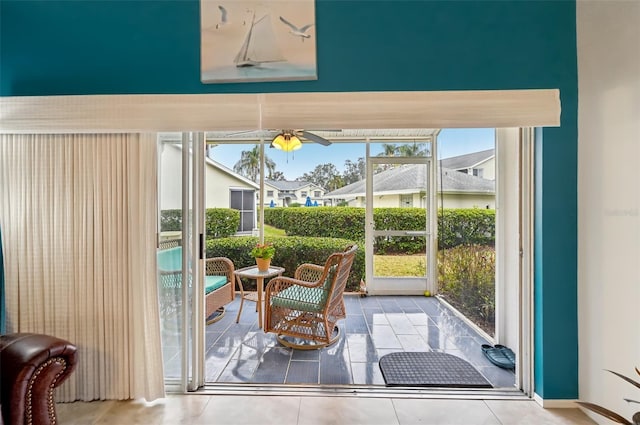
336	182
353	171
249	164
321	175
407	149
415	149
278	176
389	149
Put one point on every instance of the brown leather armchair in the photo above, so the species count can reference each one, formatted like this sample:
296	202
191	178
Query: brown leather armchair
31	366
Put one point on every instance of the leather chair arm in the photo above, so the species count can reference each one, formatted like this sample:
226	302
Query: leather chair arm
31	366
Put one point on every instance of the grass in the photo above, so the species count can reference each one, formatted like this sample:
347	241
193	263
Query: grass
270	231
400	265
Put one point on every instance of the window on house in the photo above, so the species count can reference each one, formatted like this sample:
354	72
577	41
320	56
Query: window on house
478	172
316	194
270	193
303	193
243	201
406	200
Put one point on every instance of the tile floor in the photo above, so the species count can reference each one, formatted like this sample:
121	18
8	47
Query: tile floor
243	353
294	410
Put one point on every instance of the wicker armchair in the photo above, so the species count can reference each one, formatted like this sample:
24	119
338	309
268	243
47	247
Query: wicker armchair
219	288
304	310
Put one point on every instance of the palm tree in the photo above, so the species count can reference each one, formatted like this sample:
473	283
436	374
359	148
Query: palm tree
249	164
415	149
389	149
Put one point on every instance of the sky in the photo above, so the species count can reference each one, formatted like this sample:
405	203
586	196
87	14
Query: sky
451	142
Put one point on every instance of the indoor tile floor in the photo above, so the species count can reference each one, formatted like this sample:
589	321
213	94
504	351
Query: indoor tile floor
243	353
295	410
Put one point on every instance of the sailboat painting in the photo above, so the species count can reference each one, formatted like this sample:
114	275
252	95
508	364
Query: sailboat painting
268	40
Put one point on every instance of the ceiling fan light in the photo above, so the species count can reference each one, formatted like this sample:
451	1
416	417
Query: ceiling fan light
286	142
295	143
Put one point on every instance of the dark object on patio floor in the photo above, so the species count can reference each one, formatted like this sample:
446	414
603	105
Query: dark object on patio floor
500	356
430	369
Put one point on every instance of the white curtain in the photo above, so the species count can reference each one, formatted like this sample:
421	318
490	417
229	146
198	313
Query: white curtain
78	218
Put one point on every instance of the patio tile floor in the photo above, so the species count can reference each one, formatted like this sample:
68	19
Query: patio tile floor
375	326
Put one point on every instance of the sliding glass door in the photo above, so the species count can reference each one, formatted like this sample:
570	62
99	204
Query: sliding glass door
180	257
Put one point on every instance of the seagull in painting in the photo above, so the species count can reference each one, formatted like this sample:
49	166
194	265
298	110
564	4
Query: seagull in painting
223	18
298	32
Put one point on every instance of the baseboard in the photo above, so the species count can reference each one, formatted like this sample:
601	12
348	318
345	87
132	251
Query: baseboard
555	404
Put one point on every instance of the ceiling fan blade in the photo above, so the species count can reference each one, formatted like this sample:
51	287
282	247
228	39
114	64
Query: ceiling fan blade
315	138
259	133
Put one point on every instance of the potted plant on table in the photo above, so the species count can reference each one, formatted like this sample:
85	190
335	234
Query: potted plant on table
263	253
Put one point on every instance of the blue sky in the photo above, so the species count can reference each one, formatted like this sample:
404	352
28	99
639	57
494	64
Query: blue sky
451	142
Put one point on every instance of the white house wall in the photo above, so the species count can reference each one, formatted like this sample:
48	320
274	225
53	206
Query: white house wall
218	187
217	182
488	169
267	199
608	201
450	201
454	200
170	177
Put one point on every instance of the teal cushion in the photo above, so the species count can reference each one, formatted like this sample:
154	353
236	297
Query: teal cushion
303	298
211	283
300	298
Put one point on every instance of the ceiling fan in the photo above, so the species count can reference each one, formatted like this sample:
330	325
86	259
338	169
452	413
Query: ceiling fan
288	140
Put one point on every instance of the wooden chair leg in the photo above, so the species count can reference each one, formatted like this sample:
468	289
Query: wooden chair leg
239	281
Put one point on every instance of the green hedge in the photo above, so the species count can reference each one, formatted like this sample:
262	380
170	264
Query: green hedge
290	253
222	222
170	220
219	222
466	226
330	222
459	226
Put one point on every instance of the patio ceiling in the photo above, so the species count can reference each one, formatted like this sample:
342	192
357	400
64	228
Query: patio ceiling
336	136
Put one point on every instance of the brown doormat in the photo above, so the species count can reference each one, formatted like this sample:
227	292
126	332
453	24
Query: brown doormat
430	369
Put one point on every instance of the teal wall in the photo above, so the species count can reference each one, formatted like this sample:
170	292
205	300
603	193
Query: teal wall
125	47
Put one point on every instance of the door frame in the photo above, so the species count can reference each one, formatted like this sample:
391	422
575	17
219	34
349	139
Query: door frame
410	286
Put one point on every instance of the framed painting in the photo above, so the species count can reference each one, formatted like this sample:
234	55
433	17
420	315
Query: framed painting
269	40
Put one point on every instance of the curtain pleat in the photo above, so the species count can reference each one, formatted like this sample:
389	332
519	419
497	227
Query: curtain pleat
78	214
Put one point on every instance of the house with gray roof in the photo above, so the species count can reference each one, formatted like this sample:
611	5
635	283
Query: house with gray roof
479	164
283	193
403	187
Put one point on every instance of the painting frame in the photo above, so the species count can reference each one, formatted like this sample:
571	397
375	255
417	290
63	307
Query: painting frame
251	41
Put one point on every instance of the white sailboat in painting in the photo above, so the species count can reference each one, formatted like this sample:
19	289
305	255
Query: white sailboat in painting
260	45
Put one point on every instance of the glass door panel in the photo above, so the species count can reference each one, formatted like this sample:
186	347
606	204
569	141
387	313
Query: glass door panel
171	241
179	257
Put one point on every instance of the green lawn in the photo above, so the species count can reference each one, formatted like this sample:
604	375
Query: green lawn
273	231
399	265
